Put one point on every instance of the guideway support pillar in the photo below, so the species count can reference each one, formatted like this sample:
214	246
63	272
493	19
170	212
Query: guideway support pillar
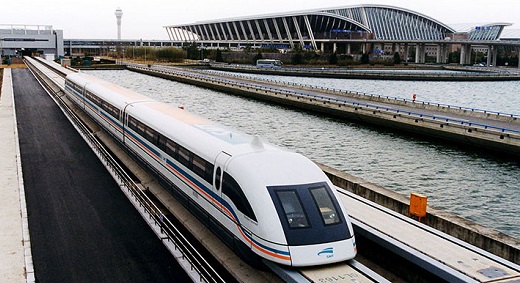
492	56
465	54
396	47
420	53
442	53
406	52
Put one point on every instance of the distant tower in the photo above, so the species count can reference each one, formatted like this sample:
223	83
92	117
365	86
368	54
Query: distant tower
119	15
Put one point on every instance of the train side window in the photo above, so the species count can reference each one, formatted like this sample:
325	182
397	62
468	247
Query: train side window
151	135
232	189
327	209
161	142
132	123
199	166
293	209
172	148
141	129
208	174
184	156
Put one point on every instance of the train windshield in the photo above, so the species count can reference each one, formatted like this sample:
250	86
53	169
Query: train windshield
309	213
325	205
293	210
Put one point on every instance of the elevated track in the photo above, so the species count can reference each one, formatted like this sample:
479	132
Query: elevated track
495	131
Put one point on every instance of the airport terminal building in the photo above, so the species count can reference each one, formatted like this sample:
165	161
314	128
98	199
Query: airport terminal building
315	29
30	39
375	29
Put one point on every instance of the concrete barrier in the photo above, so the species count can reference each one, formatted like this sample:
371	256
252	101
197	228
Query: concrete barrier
483	237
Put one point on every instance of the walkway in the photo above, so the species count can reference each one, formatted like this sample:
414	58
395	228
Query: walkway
12	259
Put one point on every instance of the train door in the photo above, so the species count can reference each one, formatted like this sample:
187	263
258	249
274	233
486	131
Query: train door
124	123
224	225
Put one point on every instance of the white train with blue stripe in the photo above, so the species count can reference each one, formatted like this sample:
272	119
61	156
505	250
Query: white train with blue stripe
263	201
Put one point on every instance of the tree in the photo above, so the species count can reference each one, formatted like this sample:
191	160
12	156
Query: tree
218	57
297	59
454	57
397	58
257	57
365	59
170	54
192	51
333	59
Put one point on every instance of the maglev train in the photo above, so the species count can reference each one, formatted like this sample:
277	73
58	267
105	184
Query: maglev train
261	200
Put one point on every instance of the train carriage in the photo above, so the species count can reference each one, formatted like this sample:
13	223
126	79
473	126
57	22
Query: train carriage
263	201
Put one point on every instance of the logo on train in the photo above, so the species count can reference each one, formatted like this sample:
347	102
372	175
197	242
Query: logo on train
328	252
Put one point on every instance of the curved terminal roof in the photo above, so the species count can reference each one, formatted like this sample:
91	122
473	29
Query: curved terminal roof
308	27
482	31
510	34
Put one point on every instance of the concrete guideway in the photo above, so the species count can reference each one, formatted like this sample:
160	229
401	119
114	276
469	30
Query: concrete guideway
15	250
445	256
470	75
499	132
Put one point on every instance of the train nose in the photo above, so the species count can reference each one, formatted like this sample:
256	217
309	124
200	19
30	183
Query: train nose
323	253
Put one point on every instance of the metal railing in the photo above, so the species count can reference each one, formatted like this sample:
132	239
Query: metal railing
258	87
376	73
368	95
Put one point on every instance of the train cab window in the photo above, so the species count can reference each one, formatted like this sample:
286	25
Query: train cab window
293	210
326	207
234	192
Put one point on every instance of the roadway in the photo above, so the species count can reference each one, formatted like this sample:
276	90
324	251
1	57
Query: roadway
83	228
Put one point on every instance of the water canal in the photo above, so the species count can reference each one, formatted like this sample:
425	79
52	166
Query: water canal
471	184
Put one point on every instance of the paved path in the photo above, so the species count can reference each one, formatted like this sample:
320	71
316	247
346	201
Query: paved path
12	265
83	229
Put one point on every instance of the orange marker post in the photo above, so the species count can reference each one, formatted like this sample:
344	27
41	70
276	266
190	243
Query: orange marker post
418	205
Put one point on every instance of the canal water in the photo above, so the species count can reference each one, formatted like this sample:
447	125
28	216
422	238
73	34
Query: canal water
472	184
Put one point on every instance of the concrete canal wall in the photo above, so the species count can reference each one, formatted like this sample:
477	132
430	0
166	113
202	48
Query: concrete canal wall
485	238
487	138
364	75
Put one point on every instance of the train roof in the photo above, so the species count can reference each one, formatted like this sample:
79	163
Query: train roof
194	131
111	92
186	128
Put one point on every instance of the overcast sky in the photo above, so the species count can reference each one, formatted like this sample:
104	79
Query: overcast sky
95	19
